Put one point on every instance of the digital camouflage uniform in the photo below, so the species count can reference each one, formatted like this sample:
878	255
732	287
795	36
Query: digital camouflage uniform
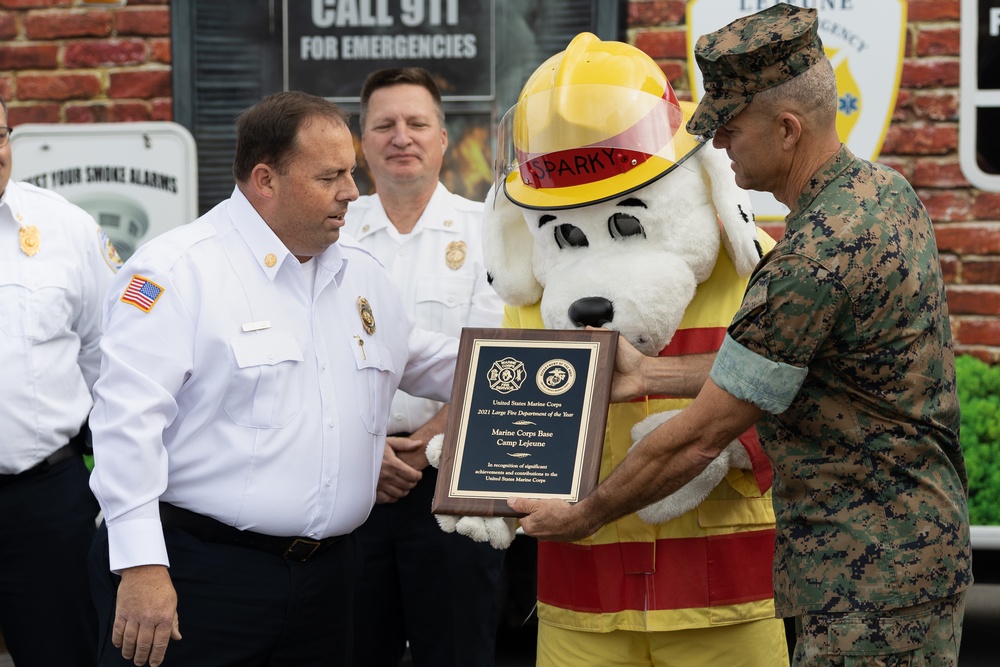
870	485
843	339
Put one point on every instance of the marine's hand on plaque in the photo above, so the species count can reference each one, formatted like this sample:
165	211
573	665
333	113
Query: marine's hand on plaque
628	381
553	520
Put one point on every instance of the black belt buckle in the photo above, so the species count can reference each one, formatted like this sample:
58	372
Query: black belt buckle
301	550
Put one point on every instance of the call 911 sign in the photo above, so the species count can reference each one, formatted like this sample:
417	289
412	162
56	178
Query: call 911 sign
330	46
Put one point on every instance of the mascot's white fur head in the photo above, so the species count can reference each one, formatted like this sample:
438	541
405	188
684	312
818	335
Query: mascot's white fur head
631	263
605	208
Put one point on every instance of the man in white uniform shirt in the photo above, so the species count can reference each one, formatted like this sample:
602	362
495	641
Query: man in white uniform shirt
239	421
435	590
55	266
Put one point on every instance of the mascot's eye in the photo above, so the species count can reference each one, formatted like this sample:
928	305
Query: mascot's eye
622	224
568	236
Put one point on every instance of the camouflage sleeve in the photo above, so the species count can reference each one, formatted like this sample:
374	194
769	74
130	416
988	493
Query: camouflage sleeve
785	320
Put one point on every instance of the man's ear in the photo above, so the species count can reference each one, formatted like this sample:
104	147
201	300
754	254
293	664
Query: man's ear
262	181
791	129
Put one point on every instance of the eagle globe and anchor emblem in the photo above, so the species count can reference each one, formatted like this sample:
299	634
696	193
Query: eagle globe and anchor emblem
555	377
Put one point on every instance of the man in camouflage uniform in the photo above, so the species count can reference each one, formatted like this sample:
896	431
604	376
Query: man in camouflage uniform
841	353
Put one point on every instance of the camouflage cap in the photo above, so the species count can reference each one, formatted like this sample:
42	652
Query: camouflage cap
751	54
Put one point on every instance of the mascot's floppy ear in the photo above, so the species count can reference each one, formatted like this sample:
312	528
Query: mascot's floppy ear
739	232
508	248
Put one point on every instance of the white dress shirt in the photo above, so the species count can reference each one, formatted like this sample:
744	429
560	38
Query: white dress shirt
249	392
50	322
444	285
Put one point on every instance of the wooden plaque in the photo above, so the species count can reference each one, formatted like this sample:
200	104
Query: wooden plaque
526	419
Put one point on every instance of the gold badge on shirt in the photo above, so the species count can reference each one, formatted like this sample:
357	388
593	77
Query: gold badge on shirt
454	254
31	240
367	316
270	260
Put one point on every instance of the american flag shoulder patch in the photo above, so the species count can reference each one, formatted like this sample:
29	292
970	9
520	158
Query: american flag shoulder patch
142	293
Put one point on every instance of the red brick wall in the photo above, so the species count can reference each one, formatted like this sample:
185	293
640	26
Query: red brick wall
922	144
62	62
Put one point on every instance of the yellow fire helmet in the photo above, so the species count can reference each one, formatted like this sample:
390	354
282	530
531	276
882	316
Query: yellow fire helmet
592	123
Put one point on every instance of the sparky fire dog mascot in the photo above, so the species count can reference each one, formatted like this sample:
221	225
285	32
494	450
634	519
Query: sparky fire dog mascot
610	214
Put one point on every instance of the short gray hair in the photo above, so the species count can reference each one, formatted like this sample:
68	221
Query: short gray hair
814	93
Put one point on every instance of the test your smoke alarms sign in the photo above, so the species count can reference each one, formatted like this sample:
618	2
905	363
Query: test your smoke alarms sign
864	40
331	45
138	180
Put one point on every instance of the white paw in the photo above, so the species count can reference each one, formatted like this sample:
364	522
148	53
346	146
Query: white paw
433	449
498	531
447	522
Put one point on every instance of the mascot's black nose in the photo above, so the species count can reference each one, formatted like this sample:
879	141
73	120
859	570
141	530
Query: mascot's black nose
594	311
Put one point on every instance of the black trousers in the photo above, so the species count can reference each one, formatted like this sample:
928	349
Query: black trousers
46	529
242	607
439	591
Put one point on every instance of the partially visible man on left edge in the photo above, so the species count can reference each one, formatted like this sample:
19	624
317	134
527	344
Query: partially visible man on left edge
55	266
239	422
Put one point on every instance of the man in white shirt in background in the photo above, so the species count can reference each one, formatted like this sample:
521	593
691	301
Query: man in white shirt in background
239	421
55	266
438	591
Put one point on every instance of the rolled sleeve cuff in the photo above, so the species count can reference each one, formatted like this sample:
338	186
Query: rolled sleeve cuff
770	385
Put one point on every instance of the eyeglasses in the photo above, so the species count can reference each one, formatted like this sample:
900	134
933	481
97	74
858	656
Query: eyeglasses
5	133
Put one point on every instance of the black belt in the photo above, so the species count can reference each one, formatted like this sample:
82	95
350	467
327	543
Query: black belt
61	454
299	549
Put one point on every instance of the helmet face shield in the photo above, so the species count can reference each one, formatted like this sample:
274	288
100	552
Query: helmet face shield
580	144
